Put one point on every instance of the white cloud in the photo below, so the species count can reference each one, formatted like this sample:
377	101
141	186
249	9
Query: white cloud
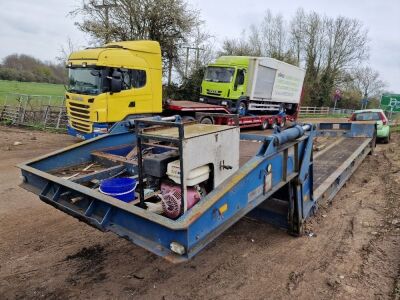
40	27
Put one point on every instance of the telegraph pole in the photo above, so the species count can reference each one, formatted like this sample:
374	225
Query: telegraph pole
197	49
106	7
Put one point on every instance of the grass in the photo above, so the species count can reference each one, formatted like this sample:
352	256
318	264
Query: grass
52	93
395	128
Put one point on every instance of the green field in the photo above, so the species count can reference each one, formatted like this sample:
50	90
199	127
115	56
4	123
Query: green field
52	93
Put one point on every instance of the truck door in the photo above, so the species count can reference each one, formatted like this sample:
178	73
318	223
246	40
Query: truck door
142	92
134	98
238	85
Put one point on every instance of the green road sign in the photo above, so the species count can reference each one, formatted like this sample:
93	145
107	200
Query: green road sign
390	102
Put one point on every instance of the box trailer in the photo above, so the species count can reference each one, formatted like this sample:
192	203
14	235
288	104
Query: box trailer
253	84
273	82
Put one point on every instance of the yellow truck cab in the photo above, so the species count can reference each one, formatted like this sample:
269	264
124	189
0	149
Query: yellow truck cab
110	83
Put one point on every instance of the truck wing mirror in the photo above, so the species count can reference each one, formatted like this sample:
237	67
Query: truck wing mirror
239	80
116	82
95	73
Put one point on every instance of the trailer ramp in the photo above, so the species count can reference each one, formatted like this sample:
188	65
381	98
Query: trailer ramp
278	181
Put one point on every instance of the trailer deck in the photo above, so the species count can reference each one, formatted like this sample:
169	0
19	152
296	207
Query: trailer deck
279	181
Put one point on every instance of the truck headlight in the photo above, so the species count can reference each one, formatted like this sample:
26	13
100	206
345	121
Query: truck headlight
201	99
224	103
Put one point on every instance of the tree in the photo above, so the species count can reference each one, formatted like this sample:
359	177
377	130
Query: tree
26	68
324	46
367	82
170	22
195	54
242	46
66	50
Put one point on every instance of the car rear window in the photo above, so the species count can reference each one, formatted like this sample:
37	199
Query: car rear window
367	116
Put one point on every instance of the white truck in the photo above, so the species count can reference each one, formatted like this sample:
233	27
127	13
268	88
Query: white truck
244	83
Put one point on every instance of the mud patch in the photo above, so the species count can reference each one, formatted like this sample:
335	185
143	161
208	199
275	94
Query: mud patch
353	253
89	263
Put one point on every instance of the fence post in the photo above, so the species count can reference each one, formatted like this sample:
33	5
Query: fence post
2	112
22	119
46	113
59	117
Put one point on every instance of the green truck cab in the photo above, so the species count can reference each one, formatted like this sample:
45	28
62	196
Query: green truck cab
225	81
252	84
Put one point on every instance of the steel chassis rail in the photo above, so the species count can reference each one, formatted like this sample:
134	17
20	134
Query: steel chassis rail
275	185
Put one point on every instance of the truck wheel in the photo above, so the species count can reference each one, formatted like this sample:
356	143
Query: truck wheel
242	108
207	120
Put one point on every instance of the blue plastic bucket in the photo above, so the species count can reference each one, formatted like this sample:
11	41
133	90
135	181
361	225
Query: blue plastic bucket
122	188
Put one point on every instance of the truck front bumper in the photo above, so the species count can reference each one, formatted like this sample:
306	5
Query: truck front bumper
98	129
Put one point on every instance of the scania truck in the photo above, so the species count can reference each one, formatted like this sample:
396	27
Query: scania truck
123	80
253	84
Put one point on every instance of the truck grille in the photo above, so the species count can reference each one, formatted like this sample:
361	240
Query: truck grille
214	92
79	116
79	110
80	125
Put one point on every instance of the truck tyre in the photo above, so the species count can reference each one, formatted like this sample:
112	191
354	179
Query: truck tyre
242	108
207	120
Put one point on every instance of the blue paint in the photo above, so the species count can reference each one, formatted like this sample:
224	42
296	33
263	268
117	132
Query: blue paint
97	131
289	158
122	188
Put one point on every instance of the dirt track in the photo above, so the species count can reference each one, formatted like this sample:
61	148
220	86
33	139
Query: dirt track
354	252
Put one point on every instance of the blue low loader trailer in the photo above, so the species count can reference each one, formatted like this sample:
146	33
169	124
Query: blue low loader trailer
178	208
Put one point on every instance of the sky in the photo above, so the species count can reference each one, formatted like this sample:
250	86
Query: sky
41	27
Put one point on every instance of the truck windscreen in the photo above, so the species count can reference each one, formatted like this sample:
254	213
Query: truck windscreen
84	81
219	74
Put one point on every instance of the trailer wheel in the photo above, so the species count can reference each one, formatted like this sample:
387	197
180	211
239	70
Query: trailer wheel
264	125
188	119
283	122
273	125
207	120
